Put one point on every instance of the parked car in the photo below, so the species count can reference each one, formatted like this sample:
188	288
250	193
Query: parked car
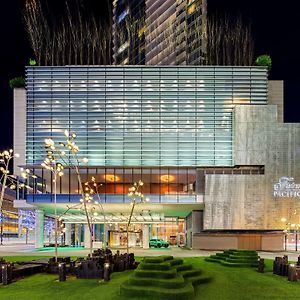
158	243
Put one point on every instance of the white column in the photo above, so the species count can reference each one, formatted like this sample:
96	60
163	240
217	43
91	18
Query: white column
77	235
146	236
39	229
106	235
19	128
68	240
20	227
87	236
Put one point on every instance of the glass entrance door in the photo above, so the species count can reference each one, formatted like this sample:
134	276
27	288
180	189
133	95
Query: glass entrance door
118	235
171	230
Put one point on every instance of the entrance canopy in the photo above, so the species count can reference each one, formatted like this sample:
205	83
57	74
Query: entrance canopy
114	212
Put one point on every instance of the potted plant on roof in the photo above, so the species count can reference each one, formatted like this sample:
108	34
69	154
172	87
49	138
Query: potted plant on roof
264	60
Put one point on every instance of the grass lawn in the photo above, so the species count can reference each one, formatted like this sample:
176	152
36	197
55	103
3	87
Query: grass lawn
228	283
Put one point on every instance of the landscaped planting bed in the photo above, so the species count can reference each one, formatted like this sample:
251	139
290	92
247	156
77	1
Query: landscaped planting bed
235	258
163	278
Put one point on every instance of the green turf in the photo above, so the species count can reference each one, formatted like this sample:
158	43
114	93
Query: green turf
20	258
23	258
227	284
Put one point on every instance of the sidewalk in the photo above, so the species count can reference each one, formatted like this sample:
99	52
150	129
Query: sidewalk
19	248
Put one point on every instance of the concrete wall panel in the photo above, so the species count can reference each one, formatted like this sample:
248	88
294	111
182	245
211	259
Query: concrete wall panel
246	201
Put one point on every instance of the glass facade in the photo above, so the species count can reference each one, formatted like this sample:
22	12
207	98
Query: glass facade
140	116
129	32
176	32
9	223
161	185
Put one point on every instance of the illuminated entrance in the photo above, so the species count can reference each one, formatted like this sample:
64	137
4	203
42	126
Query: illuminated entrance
170	230
167	221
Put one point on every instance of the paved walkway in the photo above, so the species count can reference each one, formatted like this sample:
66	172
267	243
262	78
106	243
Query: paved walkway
15	248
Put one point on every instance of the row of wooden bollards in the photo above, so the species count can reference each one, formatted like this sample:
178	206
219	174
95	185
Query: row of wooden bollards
6	273
62	271
282	267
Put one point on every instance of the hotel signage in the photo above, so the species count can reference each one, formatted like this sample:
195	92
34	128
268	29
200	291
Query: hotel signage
286	187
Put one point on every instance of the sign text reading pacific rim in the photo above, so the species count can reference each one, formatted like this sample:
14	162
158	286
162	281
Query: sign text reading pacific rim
287	188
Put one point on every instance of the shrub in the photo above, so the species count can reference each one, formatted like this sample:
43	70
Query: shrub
17	82
264	60
32	62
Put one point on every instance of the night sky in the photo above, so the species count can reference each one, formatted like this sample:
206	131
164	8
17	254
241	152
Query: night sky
276	31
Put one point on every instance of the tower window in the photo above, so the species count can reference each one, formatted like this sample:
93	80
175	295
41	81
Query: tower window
122	15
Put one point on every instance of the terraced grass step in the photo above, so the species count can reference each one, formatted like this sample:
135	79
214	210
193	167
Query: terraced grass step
162	278
155	266
242	256
158	259
240	264
190	273
221	254
183	267
154	292
195	280
155	273
212	259
173	283
218	257
176	261
242	252
241	260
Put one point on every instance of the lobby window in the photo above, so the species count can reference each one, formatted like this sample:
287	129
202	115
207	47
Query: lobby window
110	180
119	185
127	180
154	188
165	179
146	178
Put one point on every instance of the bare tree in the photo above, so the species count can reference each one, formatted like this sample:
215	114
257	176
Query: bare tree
136	197
74	39
230	41
34	18
64	154
7	180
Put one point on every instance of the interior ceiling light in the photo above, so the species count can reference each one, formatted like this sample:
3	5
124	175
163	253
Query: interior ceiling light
167	178
111	178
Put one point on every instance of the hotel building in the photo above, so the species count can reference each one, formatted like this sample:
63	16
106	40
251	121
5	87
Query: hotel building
208	142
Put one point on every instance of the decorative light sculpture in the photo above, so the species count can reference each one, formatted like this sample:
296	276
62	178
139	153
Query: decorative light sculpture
52	164
136	197
6	180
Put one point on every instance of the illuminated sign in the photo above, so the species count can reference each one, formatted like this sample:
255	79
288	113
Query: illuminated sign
286	187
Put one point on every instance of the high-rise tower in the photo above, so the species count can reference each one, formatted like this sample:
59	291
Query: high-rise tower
152	32
128	32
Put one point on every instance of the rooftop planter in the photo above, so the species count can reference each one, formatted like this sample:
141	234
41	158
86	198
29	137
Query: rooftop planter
17	82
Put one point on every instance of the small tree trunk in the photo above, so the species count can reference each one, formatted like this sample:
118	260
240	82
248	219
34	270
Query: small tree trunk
26	235
128	224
